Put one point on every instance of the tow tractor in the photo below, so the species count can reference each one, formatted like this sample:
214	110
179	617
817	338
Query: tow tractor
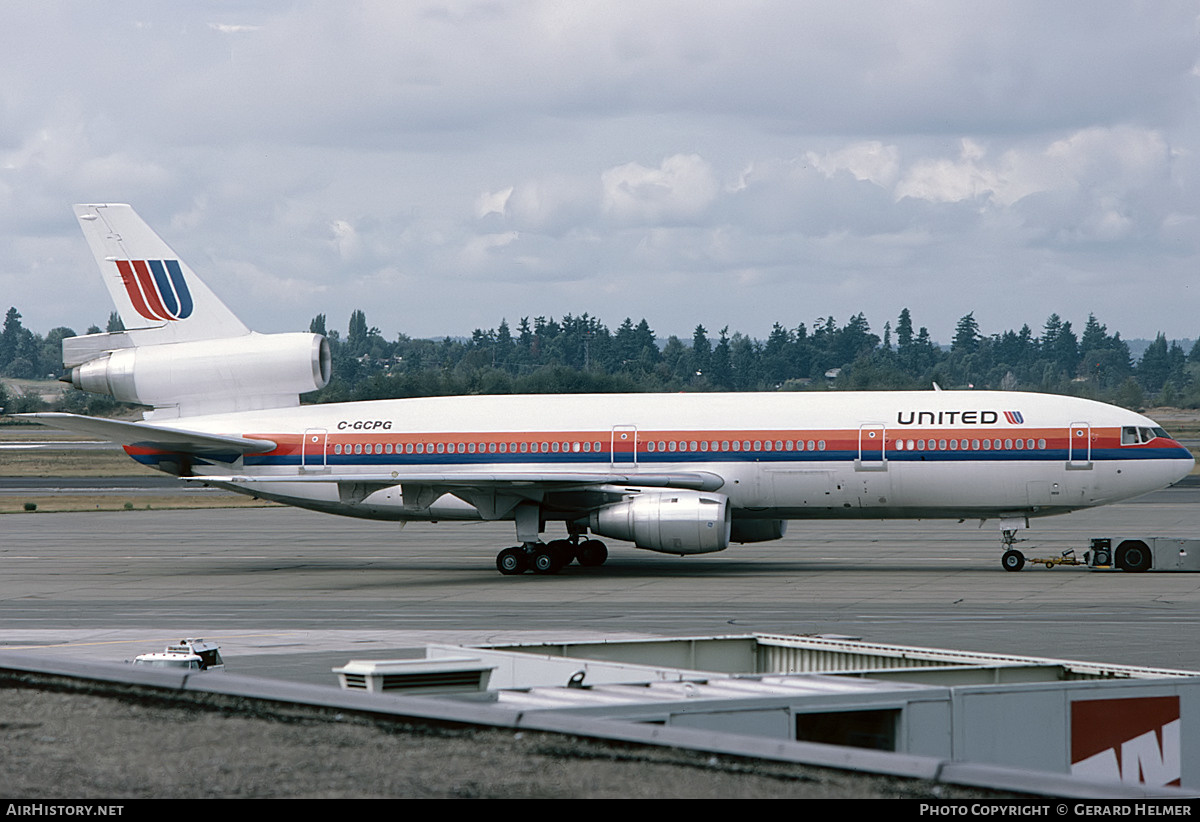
1134	555
189	654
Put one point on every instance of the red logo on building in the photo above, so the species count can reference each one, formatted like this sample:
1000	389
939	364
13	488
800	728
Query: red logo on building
1132	740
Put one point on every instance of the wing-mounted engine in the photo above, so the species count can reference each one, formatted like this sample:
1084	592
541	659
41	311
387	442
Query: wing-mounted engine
672	522
243	373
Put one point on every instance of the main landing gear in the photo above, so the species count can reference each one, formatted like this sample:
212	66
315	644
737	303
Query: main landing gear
550	557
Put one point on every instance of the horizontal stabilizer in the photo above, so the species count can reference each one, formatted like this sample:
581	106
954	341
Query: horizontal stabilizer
145	435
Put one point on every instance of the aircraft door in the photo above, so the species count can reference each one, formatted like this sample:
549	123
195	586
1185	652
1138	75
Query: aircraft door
872	447
312	450
624	446
1079	446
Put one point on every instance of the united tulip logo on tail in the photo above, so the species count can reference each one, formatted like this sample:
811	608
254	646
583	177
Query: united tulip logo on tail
156	288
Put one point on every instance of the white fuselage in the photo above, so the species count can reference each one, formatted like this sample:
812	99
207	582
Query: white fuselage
774	455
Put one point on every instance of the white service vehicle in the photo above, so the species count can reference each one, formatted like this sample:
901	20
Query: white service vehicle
189	654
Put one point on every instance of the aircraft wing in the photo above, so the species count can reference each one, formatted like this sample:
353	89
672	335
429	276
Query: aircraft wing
695	480
494	494
146	435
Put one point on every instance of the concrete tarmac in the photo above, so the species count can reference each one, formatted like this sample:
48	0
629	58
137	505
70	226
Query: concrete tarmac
290	593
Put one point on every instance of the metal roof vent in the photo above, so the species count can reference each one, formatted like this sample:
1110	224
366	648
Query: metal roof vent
415	676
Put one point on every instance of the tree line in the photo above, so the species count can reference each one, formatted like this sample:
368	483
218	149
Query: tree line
577	354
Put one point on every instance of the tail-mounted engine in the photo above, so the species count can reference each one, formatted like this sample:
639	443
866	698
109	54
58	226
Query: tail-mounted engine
205	376
672	522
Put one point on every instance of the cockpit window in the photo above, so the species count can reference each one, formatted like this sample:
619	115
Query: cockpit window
1131	435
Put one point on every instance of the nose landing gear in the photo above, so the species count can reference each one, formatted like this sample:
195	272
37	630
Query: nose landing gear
1012	560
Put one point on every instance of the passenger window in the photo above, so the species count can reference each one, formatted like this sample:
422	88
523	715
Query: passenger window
812	445
820	445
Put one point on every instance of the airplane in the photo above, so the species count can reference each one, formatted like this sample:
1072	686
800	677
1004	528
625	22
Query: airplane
674	473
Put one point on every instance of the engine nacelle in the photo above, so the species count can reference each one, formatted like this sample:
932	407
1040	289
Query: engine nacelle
672	522
757	530
235	373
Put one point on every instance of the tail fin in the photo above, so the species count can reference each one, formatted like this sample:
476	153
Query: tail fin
159	297
183	352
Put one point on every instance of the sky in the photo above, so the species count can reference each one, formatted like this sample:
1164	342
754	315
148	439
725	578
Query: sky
446	165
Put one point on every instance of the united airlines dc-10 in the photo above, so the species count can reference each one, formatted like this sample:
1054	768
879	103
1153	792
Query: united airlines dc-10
675	473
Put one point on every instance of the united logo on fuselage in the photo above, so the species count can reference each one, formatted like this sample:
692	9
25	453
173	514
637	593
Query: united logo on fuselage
156	288
981	417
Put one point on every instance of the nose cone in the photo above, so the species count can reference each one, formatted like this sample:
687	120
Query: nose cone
1182	463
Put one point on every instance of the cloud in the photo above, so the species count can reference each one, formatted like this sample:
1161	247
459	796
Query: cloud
734	163
871	161
681	188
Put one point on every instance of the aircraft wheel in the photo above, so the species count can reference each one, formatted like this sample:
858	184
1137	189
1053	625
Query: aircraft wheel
544	561
592	553
512	561
1133	555
1013	560
563	552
